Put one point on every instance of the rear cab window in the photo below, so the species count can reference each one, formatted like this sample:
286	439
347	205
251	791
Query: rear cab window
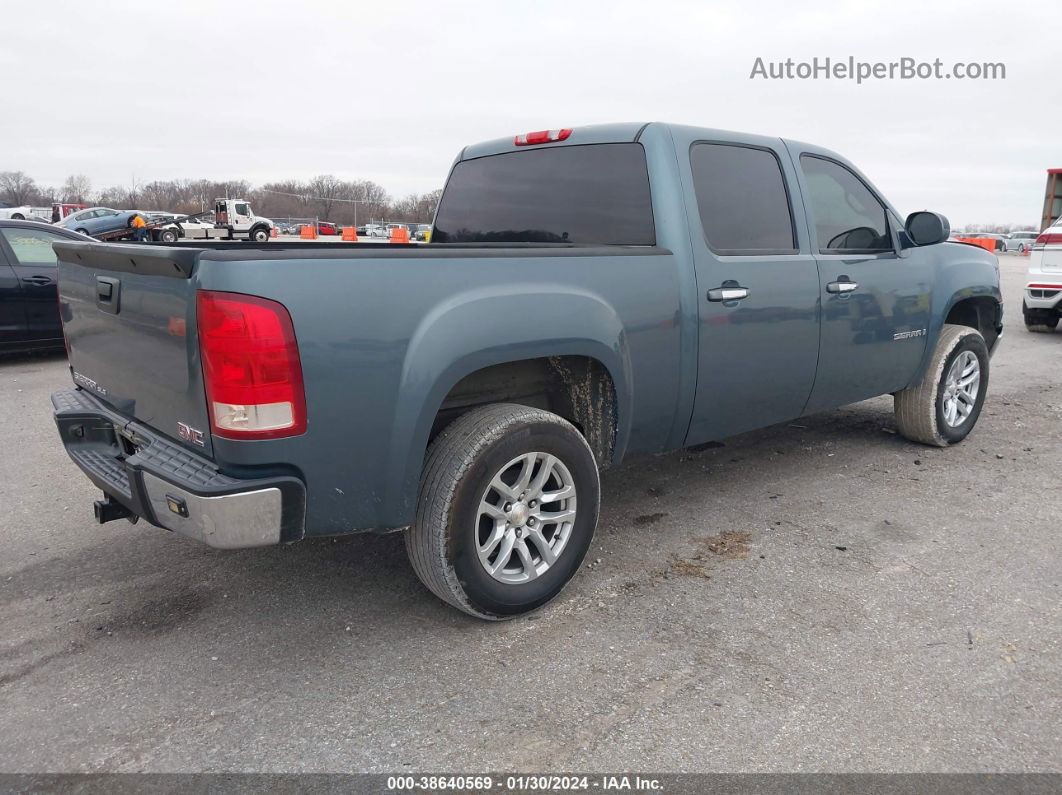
594	194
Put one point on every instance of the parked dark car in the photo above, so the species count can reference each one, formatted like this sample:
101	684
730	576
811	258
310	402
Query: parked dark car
29	306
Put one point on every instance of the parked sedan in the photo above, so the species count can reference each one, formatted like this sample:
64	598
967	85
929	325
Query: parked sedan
98	220
327	228
29	305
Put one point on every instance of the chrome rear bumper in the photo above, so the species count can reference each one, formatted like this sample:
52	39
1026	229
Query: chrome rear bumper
172	487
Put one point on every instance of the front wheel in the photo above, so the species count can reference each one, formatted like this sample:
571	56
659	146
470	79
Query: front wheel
18	217
507	510
168	236
943	407
260	235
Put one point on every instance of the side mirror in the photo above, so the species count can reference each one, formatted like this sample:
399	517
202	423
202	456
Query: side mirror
926	229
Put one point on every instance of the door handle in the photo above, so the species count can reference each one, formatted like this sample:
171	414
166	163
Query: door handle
842	285
108	294
38	280
728	293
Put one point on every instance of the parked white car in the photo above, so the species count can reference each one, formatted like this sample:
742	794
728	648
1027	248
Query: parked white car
1020	241
192	228
200	228
25	213
1042	305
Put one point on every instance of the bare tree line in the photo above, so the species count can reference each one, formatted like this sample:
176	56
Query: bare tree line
324	197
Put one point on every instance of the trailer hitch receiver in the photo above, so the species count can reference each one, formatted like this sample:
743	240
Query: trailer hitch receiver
107	510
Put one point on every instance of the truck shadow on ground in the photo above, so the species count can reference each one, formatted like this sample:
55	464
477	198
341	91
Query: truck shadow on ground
143	584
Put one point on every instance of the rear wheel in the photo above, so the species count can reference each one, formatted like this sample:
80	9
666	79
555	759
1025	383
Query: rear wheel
507	510
943	407
18	217
81	230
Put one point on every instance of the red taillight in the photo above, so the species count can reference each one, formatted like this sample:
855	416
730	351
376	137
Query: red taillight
251	367
1048	239
541	137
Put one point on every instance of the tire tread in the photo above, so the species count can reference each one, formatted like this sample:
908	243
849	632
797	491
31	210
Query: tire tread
916	407
449	458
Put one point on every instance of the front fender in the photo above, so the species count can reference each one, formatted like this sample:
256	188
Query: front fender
494	325
964	272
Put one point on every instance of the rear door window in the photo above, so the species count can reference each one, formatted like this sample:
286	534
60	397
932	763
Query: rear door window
589	194
742	200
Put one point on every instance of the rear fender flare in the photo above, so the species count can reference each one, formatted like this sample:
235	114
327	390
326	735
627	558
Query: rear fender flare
489	326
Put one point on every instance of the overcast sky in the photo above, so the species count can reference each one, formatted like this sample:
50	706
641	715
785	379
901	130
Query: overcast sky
391	91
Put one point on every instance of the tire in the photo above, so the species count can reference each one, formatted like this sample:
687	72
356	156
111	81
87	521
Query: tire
451	533
922	409
168	236
260	235
1021	248
1042	321
82	231
18	217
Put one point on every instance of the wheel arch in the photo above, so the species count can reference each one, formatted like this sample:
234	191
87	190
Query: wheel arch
978	311
494	333
958	304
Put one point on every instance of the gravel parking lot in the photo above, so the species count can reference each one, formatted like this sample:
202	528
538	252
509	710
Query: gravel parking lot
822	595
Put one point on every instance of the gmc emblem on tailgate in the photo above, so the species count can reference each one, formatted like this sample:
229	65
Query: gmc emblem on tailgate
189	434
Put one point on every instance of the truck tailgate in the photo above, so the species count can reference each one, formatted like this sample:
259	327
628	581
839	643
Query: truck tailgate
128	315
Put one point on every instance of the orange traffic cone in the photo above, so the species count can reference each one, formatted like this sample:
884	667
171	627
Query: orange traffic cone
274	232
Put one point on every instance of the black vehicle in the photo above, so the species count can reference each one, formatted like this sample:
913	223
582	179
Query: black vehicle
29	305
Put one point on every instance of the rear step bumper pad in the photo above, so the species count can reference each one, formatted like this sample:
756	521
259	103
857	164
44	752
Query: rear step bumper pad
172	487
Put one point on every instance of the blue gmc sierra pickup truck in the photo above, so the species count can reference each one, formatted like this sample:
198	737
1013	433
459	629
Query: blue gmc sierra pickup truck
587	294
